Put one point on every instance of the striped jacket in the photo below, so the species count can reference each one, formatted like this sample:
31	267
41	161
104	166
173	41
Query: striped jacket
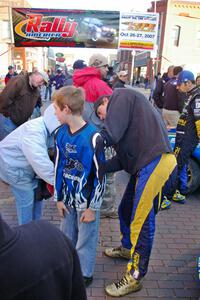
78	157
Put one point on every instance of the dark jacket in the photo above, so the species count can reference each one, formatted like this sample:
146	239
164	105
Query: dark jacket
119	84
188	129
135	128
38	262
58	81
172	98
158	92
18	99
9	76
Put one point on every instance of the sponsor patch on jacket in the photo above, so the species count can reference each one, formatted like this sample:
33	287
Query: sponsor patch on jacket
197	104
197	112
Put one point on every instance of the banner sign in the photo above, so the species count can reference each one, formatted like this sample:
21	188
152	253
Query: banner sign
65	28
138	31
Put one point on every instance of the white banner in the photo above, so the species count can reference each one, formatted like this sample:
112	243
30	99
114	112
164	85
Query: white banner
138	31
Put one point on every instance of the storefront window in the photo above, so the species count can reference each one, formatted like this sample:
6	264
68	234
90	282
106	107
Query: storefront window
175	35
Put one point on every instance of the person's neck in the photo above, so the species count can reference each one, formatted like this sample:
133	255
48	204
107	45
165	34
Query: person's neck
75	123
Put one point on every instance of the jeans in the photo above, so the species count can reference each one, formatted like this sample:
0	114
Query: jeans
109	204
48	91
36	113
27	208
6	126
84	237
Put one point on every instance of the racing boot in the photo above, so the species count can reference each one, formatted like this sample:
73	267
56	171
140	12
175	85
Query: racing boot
124	286
166	204
118	252
178	197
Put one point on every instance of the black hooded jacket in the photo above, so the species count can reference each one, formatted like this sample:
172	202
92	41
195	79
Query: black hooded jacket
38	262
136	130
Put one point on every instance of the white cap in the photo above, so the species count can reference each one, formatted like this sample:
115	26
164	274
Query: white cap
98	60
122	73
44	76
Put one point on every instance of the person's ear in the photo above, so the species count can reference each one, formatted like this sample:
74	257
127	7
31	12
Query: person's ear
105	100
67	109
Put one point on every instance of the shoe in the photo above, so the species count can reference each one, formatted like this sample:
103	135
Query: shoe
166	204
124	286
87	280
118	252
178	197
109	214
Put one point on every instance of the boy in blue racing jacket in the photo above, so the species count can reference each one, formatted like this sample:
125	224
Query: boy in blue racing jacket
78	189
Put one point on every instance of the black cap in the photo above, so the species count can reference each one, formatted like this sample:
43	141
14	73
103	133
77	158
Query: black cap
79	64
10	67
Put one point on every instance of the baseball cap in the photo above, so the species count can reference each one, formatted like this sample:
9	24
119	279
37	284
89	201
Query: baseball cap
98	60
44	76
122	73
79	64
10	67
185	76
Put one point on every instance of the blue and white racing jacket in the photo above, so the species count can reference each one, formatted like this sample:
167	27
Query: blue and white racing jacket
78	157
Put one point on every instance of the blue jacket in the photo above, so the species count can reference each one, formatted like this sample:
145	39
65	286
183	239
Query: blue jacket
77	167
58	81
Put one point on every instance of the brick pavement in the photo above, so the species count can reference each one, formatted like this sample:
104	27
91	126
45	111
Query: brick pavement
172	269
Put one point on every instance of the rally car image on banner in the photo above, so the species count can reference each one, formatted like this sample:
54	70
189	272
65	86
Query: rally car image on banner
193	168
97	30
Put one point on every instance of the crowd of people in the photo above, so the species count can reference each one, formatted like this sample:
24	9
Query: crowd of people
93	130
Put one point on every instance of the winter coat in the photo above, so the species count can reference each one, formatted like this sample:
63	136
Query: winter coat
90	80
135	128
18	99
119	84
24	152
38	262
9	76
58	81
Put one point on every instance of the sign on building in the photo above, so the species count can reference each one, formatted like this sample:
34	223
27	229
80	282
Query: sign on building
138	31
65	28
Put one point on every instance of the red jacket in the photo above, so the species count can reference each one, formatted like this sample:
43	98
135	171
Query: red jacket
90	80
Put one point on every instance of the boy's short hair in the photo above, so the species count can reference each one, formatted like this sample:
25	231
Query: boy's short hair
71	96
99	102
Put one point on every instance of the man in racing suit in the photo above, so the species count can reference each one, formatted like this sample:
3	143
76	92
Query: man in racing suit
188	128
130	125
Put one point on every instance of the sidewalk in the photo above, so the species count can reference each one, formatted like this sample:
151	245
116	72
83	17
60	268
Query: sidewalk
172	270
142	90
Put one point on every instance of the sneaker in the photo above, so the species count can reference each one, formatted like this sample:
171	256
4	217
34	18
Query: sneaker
87	280
178	197
166	204
124	286
118	252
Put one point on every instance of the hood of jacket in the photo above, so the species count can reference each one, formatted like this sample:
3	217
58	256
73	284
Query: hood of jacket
50	119
81	76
